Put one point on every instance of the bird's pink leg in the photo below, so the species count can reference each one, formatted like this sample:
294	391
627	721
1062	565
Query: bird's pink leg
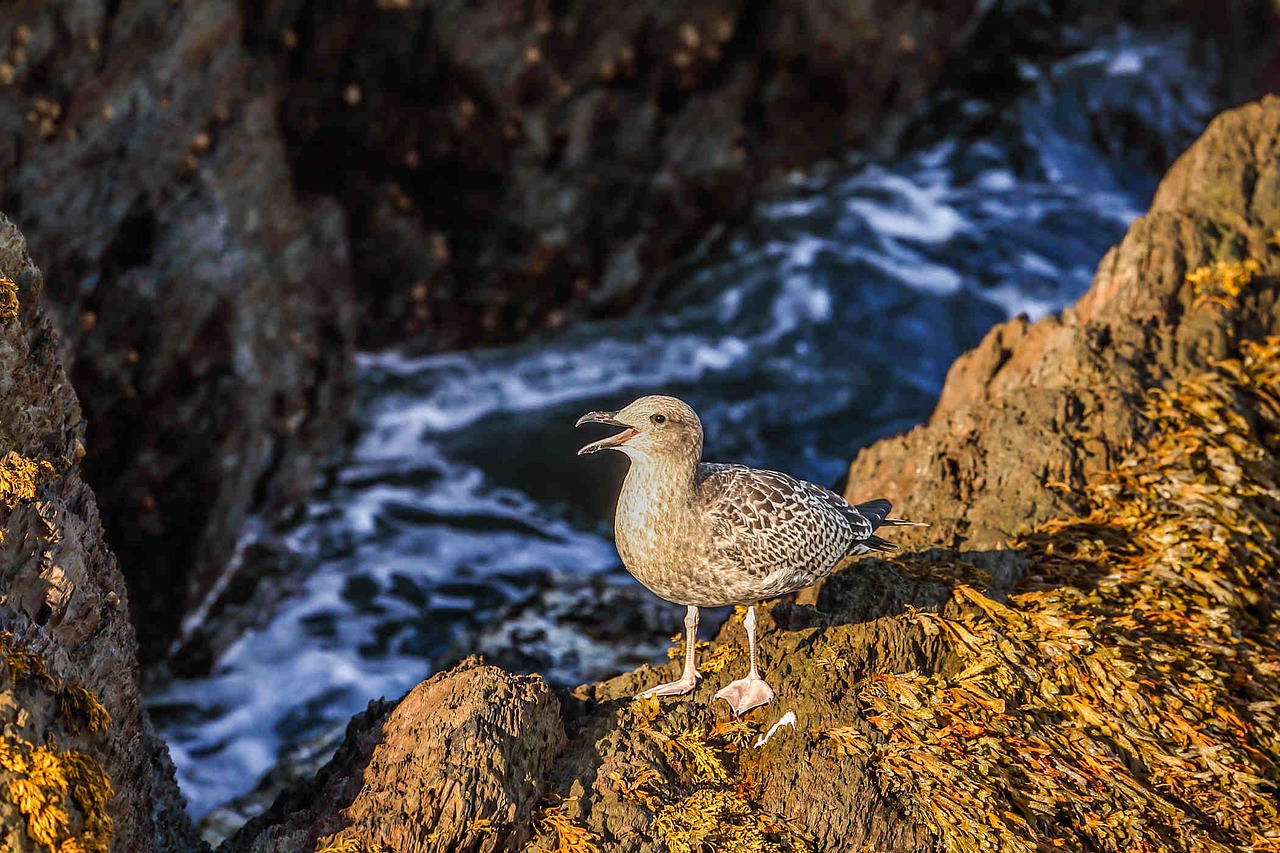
752	691
689	678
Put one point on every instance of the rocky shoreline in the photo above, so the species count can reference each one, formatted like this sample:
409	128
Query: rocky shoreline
1091	612
1115	654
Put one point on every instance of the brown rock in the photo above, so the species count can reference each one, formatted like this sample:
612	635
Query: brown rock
69	674
598	146
939	705
457	765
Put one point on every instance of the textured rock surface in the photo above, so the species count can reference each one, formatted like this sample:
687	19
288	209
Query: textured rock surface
204	309
505	163
457	765
1035	409
499	166
64	615
1110	682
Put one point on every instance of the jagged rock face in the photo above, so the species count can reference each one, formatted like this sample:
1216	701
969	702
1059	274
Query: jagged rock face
940	704
69	697
204	309
1035	409
507	165
500	167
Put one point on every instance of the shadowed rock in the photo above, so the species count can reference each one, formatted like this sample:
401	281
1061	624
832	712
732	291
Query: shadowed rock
204	309
70	708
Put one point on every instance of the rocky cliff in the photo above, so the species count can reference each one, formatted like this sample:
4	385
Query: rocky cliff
80	768
1098	668
1036	410
204	308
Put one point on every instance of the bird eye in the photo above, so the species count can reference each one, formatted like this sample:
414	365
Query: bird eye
659	419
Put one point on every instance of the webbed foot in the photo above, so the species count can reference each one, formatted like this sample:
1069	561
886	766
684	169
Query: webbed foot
672	688
745	694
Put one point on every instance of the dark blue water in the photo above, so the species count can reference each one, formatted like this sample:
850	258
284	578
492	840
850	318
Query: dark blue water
828	321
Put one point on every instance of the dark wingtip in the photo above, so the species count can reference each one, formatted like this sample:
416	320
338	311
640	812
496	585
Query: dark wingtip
877	544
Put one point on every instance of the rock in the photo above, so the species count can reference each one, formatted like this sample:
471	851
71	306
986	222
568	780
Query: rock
1036	409
458	764
1105	681
79	761
505	167
592	629
204	306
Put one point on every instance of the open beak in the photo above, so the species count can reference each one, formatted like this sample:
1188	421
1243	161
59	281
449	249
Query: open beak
611	419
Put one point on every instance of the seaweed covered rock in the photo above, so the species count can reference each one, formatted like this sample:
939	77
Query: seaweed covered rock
205	311
1107	680
80	768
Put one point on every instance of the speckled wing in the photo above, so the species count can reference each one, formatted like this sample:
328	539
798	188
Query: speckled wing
786	533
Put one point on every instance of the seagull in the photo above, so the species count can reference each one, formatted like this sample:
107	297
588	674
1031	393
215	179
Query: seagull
709	535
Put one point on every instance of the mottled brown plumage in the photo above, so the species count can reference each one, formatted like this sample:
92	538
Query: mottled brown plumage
706	535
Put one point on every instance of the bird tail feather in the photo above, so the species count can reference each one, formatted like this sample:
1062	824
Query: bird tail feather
875	543
877	512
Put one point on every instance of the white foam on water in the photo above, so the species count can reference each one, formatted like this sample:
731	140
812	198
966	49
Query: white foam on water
914	210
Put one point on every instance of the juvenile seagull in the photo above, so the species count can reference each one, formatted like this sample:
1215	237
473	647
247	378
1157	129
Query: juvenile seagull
706	535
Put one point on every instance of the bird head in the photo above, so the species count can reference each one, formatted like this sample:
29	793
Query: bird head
655	426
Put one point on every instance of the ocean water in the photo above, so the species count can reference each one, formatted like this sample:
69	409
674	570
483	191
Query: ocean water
464	520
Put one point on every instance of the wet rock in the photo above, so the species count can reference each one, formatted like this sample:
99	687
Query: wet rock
994	699
79	761
204	307
590	630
